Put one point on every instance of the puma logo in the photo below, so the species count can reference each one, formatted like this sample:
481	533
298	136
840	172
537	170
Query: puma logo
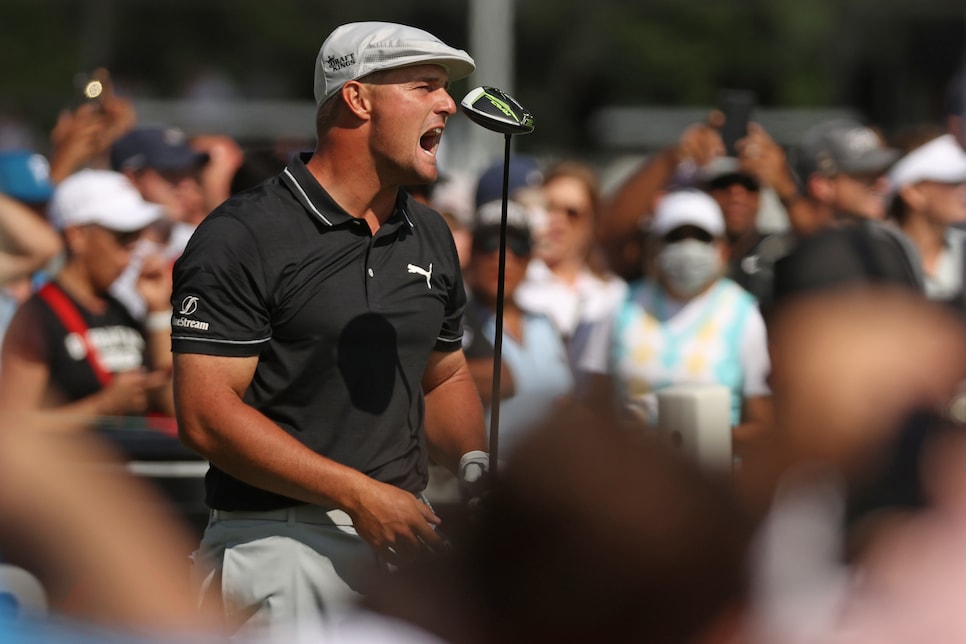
428	274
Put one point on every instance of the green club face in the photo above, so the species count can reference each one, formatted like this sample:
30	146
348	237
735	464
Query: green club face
496	110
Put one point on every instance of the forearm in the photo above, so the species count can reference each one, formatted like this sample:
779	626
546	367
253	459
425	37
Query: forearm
27	239
244	443
81	415
620	216
159	344
454	420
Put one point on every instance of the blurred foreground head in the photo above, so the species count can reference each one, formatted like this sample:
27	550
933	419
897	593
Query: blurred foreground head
592	534
850	365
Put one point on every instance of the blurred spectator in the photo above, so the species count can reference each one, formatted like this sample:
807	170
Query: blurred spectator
535	373
748	189
225	158
590	535
737	185
843	188
165	169
25	176
842	165
104	544
524	173
454	193
160	162
452	196
568	280
850	368
83	134
462	237
27	241
258	164
928	200
72	346
687	325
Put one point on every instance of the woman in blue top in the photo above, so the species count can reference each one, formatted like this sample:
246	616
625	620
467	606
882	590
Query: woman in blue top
535	372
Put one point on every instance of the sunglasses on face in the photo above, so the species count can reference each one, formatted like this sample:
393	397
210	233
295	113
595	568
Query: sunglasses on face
688	232
491	243
121	238
572	212
725	182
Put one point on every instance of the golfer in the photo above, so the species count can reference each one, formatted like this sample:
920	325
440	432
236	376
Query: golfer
317	334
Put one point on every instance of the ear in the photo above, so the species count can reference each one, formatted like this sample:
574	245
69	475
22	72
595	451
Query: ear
820	187
75	238
723	250
357	97
913	196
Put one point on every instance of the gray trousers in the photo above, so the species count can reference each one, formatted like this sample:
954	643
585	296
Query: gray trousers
272	570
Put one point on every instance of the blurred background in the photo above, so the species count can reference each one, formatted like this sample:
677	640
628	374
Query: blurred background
604	79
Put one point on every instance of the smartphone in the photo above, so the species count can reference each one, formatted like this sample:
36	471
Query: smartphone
737	106
89	88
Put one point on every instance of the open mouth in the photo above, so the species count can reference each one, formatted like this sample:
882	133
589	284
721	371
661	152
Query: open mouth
430	140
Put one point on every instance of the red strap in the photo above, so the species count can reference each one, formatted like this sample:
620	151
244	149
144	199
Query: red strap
161	423
71	318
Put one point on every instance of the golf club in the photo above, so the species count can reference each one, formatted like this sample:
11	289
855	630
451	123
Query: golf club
496	110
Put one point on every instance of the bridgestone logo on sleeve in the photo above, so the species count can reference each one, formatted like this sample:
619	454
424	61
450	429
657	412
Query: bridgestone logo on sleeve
190	324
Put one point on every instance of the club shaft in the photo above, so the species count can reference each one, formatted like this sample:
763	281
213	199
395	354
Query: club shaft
498	335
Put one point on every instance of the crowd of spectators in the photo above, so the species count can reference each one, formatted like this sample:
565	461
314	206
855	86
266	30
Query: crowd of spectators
838	338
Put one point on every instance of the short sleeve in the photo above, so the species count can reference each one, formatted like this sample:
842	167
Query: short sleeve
450	336
755	362
219	301
476	344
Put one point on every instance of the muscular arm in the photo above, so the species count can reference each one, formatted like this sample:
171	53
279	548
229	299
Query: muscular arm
215	421
454	414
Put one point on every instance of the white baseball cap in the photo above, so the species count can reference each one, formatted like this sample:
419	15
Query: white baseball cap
942	160
687	208
101	197
357	49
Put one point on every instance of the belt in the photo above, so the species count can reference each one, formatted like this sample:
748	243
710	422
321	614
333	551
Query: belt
313	514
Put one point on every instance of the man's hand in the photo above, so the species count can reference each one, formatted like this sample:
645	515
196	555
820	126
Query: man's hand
761	157
398	526
701	144
474	477
127	393
154	282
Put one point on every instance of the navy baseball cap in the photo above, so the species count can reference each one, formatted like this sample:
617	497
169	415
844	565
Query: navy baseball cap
524	172
157	147
25	175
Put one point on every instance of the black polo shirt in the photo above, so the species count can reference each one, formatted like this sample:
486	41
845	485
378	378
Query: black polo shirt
342	322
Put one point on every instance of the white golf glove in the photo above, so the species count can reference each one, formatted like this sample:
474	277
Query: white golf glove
474	476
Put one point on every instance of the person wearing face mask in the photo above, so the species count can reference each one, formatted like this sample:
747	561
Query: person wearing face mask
685	324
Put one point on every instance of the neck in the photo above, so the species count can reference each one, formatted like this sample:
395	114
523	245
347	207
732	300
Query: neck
568	269
75	281
929	238
353	181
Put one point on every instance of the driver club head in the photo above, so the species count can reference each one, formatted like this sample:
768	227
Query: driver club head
496	110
